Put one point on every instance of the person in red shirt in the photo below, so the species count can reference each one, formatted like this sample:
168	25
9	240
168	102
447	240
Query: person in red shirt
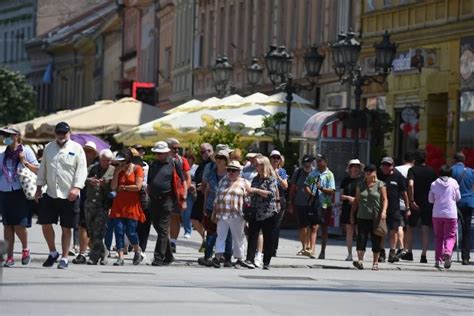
175	222
126	209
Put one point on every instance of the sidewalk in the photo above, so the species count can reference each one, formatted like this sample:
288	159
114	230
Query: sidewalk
187	253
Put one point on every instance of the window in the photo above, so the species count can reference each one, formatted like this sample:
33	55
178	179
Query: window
387	3
370	5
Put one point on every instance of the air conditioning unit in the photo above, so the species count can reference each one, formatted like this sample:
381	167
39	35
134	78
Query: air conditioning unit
336	101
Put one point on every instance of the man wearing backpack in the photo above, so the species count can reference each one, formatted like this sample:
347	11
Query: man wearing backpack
465	178
298	201
166	190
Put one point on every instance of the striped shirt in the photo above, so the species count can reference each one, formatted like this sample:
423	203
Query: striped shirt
230	198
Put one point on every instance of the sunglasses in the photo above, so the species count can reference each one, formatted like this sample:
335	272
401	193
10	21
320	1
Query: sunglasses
275	157
221	157
232	170
205	151
175	148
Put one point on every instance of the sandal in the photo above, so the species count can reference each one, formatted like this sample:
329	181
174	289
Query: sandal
358	264
301	252
375	267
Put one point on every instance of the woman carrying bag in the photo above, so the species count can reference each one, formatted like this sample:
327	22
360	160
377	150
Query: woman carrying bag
371	206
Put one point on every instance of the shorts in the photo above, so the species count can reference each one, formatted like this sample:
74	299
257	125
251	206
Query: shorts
394	220
403	219
51	210
197	211
345	216
424	213
16	209
304	219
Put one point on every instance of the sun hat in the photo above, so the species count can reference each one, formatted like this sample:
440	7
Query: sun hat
161	147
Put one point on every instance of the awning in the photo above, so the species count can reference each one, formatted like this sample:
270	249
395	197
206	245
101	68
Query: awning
326	125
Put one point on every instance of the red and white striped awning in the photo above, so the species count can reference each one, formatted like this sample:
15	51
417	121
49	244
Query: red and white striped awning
326	125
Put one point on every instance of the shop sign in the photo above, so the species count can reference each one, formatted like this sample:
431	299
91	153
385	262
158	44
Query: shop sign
415	58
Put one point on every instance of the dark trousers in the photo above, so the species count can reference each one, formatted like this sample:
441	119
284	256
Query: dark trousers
466	232
365	227
267	226
96	222
276	232
143	230
160	212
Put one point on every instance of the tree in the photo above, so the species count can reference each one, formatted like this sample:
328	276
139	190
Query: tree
271	126
17	98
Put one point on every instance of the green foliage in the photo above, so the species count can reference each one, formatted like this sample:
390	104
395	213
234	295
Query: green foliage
17	98
271	126
380	124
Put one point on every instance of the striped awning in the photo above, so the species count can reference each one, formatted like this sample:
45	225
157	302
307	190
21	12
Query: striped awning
326	125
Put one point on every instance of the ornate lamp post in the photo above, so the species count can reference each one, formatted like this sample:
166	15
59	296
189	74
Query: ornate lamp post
254	73
346	52
278	62
221	74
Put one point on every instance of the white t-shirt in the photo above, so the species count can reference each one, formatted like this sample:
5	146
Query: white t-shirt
403	169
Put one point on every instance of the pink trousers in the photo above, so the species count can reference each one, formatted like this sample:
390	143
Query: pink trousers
445	230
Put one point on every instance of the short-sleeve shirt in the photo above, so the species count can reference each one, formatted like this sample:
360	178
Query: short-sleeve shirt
465	178
349	185
9	180
327	181
396	186
298	179
212	179
422	176
370	203
127	203
230	198
265	207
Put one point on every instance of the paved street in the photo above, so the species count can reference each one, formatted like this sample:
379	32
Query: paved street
294	284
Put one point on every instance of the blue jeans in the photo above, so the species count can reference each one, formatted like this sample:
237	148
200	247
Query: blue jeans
109	234
124	226
186	215
211	242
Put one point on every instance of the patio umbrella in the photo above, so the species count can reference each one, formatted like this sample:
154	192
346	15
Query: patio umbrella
84	138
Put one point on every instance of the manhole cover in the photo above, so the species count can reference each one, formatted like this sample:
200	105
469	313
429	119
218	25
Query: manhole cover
278	278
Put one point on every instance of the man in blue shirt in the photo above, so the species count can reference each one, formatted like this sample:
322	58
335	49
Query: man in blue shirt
465	178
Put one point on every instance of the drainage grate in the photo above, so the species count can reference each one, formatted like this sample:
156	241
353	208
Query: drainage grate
277	278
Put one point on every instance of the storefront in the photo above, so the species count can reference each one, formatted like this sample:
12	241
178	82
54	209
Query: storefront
466	103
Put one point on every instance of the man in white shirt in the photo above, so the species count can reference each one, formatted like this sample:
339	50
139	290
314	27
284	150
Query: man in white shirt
64	170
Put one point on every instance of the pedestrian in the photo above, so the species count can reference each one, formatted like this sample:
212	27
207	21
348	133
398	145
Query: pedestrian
278	161
298	203
444	193
98	186
420	178
347	196
90	149
211	180
465	178
167	191
395	185
409	162
126	209
228	213
249	171
64	170
265	205
207	152
15	208
370	203
321	185
183	163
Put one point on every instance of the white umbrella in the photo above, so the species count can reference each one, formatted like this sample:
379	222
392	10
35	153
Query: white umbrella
185	107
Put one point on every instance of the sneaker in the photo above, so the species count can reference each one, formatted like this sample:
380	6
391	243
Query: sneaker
137	258
216	262
439	266
119	262
203	262
447	261
465	262
408	256
10	262
25	257
247	264
92	262
167	262
157	263
202	249
322	255
80	259
173	247
423	259
393	259
63	264
401	253
358	264
51	261
187	236
382	256
227	264
348	258
266	267
258	263
105	258
240	264
72	253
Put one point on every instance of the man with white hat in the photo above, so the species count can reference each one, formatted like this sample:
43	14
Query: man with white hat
163	190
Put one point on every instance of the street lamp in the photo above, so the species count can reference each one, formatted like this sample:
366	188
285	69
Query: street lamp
254	73
221	74
279	62
346	51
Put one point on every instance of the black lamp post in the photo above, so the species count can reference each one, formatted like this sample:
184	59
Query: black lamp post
221	74
345	54
278	62
254	73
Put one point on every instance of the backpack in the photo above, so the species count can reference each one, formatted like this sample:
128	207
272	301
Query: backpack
179	188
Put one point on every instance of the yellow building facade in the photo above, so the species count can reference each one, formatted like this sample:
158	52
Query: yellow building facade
423	92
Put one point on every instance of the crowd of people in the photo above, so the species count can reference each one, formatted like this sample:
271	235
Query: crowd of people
236	209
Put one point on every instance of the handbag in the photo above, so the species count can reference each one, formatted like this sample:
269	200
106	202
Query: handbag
314	212
28	182
380	225
248	210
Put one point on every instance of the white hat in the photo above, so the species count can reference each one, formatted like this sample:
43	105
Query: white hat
275	153
355	162
90	144
161	148
234	164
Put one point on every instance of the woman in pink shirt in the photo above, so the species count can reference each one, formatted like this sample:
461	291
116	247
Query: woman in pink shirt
444	193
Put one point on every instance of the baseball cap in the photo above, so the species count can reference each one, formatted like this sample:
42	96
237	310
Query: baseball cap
62	127
275	153
321	157
307	158
223	153
370	168
161	147
388	160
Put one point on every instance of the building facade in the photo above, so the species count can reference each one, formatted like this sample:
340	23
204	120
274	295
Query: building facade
424	88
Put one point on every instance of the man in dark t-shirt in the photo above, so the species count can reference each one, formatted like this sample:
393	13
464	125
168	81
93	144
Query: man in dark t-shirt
420	178
396	189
